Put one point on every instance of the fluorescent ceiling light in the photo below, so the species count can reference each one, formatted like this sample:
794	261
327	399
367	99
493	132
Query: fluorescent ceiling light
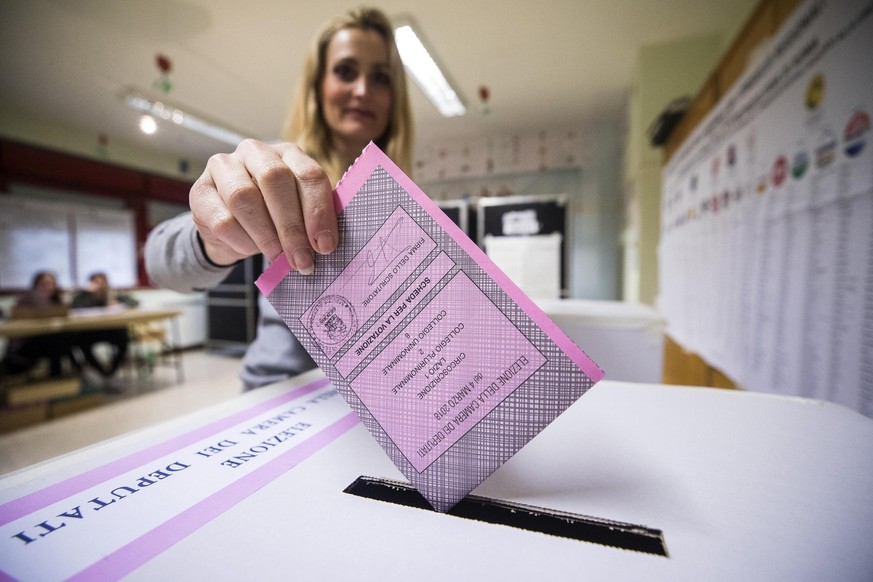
421	65
148	125
162	109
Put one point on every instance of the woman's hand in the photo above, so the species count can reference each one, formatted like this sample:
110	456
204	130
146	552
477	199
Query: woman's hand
269	199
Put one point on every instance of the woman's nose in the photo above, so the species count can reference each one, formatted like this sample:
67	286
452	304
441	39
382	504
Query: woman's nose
361	86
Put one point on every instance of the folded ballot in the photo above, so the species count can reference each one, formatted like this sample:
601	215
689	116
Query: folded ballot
447	363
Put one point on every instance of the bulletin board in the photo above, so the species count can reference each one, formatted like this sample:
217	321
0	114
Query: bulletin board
71	240
766	251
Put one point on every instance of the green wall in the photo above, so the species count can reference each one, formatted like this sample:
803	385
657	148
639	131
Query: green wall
664	72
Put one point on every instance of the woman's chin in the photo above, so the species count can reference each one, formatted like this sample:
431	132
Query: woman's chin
361	138
362	130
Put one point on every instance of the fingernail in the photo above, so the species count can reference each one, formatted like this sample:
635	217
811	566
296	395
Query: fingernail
325	242
304	261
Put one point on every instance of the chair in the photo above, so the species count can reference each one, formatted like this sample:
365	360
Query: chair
149	346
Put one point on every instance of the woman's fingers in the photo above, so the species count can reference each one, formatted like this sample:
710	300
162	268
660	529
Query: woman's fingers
315	195
268	199
226	241
279	194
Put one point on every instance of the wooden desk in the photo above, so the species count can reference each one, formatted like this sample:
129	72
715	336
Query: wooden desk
99	318
81	320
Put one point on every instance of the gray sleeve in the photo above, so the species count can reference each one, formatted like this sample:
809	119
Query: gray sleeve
175	260
275	354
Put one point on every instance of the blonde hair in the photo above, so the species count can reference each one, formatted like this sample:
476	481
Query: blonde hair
306	126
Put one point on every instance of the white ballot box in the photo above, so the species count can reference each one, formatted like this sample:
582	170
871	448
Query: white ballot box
625	339
729	485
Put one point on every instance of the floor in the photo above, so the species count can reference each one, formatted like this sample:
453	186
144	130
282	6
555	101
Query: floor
209	378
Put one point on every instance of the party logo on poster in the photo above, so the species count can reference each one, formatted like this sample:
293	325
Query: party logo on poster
826	150
815	92
855	134
761	187
780	171
799	165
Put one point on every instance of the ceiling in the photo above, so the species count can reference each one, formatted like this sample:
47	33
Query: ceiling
546	63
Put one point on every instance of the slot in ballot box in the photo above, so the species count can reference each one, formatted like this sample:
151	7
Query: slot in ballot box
742	486
625	339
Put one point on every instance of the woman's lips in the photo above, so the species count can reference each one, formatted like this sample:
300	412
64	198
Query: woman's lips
360	113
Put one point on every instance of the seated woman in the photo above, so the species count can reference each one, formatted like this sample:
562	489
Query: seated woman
22	354
99	294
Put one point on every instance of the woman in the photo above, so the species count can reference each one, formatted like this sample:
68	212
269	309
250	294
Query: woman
44	292
43	299
99	294
276	199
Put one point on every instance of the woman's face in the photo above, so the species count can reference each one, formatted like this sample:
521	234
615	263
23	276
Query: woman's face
46	286
356	94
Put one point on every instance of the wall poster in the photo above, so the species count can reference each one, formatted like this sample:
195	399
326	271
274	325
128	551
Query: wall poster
766	252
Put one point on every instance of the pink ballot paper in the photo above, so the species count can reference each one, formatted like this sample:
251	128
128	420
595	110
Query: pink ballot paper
446	362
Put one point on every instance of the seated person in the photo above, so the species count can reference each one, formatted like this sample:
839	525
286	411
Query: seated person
99	294
22	354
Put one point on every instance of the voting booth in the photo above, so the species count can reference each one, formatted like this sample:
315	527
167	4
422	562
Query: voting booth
625	339
531	262
462	213
232	307
526	236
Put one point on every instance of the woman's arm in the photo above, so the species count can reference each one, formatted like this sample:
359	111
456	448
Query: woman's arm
175	259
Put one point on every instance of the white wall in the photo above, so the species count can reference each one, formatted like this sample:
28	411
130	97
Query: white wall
592	181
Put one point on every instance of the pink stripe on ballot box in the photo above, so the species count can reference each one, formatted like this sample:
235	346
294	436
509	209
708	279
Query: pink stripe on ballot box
37	500
187	517
156	541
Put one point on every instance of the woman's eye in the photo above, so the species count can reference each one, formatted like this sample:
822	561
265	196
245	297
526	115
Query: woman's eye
381	78
345	72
